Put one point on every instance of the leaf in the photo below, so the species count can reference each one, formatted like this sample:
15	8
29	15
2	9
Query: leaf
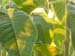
59	37
58	9
61	26
7	36
43	29
3	2
26	32
0	2
59	31
42	3
27	8
42	50
71	21
39	2
18	34
19	2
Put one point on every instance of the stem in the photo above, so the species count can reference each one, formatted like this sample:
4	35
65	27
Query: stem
67	35
67	43
0	48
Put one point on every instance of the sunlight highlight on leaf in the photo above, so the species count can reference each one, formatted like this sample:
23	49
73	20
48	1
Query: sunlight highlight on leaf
38	10
59	30
7	53
10	12
51	33
21	44
56	18
50	14
28	2
52	49
12	46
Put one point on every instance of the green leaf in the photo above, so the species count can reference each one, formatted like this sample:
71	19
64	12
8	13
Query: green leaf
42	3
71	21
7	35
59	9
39	2
61	26
28	8
25	31
59	40
59	36
43	29
43	50
3	3
18	34
0	2
19	2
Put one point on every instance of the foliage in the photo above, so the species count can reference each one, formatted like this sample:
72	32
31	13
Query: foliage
26	31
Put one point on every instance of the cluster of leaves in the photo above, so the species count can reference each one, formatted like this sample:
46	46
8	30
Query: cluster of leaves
24	32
